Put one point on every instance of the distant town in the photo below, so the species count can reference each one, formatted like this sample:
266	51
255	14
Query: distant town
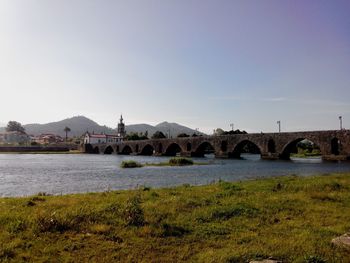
77	129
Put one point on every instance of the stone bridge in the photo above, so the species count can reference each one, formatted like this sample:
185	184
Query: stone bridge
334	145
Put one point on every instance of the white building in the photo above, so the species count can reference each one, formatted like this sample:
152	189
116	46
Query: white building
101	138
106	138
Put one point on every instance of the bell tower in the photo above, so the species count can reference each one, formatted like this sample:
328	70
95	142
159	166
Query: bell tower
121	127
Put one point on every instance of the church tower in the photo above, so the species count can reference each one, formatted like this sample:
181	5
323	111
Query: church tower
121	127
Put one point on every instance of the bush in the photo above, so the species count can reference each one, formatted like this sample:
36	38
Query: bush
180	161
130	164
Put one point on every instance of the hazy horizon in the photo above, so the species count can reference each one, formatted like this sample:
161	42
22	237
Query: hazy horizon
203	64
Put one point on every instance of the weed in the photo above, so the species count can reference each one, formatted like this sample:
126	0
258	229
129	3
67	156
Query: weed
16	226
169	230
51	223
133	212
6	253
314	259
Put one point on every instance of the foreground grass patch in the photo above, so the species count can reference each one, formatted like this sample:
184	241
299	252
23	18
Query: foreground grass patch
290	218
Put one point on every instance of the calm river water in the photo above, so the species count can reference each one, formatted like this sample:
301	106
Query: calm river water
28	174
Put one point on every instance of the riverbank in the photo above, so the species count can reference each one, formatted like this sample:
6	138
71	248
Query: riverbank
44	152
289	218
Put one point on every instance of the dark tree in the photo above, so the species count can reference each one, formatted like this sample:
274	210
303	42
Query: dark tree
134	136
67	129
15	126
158	135
183	135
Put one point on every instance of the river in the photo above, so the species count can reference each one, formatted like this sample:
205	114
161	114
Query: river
28	174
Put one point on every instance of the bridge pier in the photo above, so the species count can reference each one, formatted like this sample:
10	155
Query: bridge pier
270	156
186	154
222	155
332	157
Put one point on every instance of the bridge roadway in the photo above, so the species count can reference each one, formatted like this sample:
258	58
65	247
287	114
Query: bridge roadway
333	144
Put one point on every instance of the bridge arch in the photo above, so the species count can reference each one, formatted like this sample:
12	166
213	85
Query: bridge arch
147	150
89	148
202	149
245	146
126	150
173	149
292	147
109	150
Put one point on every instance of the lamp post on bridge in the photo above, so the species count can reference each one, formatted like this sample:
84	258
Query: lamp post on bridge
232	125
341	122
279	126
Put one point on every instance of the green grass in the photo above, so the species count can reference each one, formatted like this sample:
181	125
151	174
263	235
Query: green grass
290	218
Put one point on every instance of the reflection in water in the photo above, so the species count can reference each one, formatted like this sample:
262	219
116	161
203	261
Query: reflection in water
28	174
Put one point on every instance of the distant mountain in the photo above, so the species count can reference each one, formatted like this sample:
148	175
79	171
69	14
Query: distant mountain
176	129
164	127
80	124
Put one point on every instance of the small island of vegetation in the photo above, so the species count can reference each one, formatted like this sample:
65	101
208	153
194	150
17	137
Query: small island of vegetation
176	161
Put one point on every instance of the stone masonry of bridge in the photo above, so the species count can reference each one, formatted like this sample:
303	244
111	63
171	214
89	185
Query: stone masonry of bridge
334	145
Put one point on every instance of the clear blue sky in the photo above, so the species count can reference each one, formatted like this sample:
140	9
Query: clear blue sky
204	64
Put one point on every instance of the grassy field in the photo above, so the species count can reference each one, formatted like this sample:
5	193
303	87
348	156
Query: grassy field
292	219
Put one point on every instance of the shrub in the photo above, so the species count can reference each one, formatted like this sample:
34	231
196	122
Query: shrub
180	161
130	164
